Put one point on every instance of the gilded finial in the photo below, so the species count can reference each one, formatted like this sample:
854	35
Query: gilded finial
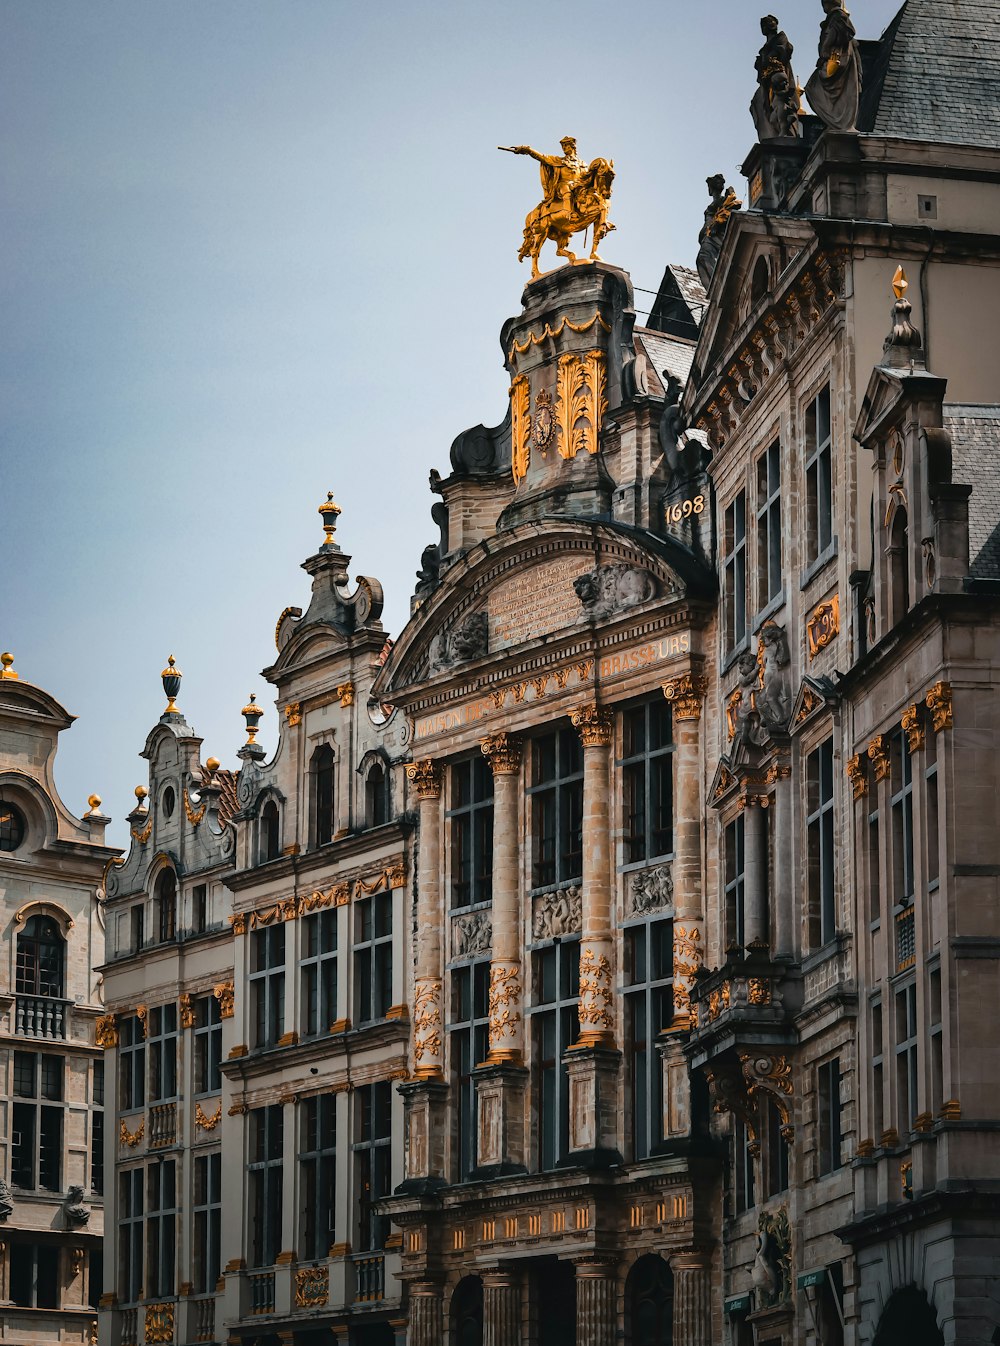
213	764
900	284
330	511
95	806
171	677
252	713
7	666
140	793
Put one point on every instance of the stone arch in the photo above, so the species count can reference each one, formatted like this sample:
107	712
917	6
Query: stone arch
466	1313
908	1319
44	907
649	1302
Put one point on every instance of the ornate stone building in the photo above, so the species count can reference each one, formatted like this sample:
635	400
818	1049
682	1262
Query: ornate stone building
51	1071
255	984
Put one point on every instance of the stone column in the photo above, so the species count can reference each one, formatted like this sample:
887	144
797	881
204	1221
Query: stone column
755	871
596	1303
501	1307
426	1314
503	751
595	726
692	1298
685	694
783	902
428	1038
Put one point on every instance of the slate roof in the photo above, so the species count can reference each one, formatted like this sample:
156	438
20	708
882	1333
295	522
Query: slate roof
691	288
679	304
975	442
667	354
935	74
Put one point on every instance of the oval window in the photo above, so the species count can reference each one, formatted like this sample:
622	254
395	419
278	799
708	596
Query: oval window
12	826
169	801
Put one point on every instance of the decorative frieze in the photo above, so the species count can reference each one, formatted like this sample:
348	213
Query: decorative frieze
650	890
557	913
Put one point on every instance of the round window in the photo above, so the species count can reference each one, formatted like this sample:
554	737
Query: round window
12	826
169	800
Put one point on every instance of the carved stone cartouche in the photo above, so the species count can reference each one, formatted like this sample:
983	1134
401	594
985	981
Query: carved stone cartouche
613	588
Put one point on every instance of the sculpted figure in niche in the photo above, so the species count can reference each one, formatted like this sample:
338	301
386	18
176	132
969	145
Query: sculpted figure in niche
834	87
77	1213
775	106
721	206
774	699
613	588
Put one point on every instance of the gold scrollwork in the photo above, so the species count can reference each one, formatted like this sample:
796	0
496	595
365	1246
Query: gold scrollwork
106	1033
938	702
581	402
913	728
346	693
207	1121
594	724
520	413
596	997
857	774
878	752
293	713
159	1324
719	1001
194	816
425	776
132	1138
503	752
687	961
823	626
186	1011
225	994
686	693
312	1287
427	1023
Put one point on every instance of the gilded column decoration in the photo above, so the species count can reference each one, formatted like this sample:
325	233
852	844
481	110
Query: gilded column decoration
823	625
428	1046
520	415
685	694
346	693
773	1074
857	774
938	702
142	1014
594	724
186	1011
878	751
687	961
913	728
581	402
106	1034
506	1030
225	994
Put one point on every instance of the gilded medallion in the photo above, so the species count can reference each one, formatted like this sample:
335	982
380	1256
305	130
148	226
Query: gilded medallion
543	425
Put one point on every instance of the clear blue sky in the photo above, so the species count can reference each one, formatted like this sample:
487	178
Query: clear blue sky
258	249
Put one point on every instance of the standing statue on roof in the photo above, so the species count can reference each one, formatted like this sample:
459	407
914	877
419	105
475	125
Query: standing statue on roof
834	87
575	195
776	106
722	204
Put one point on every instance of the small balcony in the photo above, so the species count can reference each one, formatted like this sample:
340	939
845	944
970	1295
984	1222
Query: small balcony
369	1277
162	1125
39	1016
749	1002
261	1292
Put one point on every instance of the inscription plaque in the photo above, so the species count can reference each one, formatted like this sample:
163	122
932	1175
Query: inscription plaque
536	602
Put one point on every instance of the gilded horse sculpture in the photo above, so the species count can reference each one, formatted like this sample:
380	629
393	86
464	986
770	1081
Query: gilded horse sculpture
575	196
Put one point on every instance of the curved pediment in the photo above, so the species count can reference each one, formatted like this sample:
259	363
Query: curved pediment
554	580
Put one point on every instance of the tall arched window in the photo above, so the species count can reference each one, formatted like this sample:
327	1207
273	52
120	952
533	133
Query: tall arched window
899	565
322	774
650	1294
467	1312
41	959
270	832
166	905
376	802
760	282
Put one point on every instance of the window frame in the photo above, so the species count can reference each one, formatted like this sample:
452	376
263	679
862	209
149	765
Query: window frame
206	1226
131	1064
554	1020
318	1175
468	1045
31	960
266	979
819	483
372	956
734	871
830	1117
734	572
162	1041
556	805
470	833
38	1122
161	1229
767	490
372	1162
207	1053
649	999
319	971
647	773
821	843
265	1131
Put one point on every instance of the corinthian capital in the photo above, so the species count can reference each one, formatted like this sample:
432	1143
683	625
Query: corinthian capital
425	776
594	724
503	752
685	694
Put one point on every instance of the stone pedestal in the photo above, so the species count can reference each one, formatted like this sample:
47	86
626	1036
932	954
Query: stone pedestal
593	1107
426	1327
425	1104
500	1140
773	168
501	1307
692	1298
596	1303
503	752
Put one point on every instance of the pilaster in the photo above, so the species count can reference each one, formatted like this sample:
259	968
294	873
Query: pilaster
506	1031
426	1326
501	1307
686	695
692	1298
596	1302
427	1017
595	726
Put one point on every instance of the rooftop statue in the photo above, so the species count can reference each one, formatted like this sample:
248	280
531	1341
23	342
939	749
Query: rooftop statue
834	87
575	196
724	201
776	106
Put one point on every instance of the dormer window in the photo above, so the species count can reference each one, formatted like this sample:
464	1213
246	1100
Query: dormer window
12	826
270	832
376	798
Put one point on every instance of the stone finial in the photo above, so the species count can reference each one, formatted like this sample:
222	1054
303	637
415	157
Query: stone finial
903	346
171	678
212	765
330	512
252	713
7	667
95	806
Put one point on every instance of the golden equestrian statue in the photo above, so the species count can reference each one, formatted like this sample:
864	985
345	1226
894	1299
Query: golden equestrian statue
575	197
